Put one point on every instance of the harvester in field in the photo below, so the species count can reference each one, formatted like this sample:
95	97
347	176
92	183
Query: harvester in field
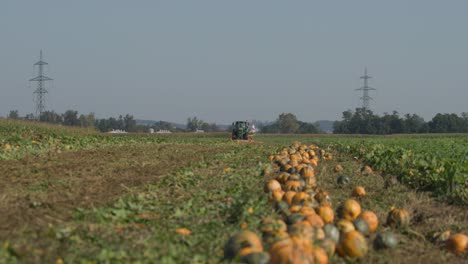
242	131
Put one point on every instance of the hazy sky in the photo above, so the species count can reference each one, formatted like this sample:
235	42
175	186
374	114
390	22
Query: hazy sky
229	60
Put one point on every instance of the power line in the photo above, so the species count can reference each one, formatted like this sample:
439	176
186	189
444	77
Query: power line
365	90
40	91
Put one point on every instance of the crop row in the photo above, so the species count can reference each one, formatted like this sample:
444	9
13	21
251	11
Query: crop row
18	139
436	165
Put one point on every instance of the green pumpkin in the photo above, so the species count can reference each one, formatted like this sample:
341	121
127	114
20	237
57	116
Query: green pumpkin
361	226
385	240
332	233
343	180
294	218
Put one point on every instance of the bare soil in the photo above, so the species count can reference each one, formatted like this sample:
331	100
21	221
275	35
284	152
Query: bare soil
38	191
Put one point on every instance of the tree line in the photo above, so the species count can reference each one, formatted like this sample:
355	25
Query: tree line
194	124
364	121
359	121
287	123
126	123
73	118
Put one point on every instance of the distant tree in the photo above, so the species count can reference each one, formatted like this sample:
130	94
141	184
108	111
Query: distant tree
51	117
106	125
207	127
126	123
287	123
193	123
271	128
163	125
14	114
29	116
129	123
446	123
70	118
87	120
414	124
120	123
464	115
343	127
307	128
363	121
390	124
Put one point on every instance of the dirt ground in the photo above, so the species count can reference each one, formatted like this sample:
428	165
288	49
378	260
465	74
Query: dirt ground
38	191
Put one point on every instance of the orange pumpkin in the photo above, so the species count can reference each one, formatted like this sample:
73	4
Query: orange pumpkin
272	185
320	255
293	185
270	225
300	198
240	241
326	203
371	219
283	177
295	208
326	213
321	196
271	238
288	197
307	171
338	168
398	218
296	156
299	167
303	230
311	153
345	226
359	191
366	170
353	245
288	252
306	210
294	163
247	251
350	210
278	159
310	182
457	243
315	220
255	257
276	195
286	167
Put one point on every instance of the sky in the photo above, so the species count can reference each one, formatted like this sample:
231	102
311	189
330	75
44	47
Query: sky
225	60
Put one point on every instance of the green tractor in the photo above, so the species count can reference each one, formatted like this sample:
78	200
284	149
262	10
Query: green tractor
241	130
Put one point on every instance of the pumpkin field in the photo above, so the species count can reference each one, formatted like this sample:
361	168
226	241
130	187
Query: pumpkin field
78	196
